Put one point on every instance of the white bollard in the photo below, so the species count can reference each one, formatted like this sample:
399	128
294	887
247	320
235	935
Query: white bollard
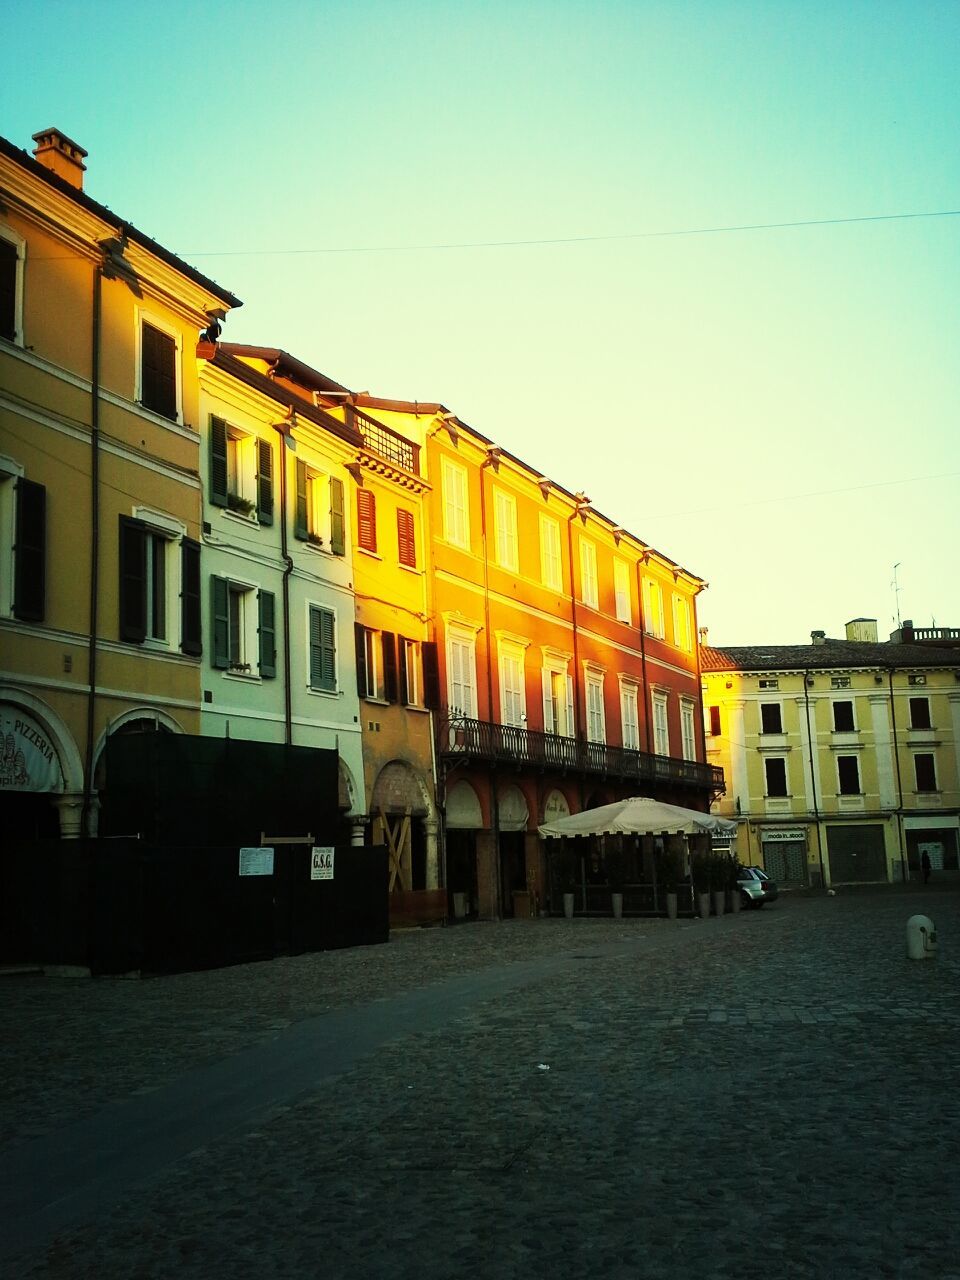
921	938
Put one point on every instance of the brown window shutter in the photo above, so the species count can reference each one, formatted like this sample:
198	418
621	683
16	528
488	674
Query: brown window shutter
389	641
431	675
406	541
366	520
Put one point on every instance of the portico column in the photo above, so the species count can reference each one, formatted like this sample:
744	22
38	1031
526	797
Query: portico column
433	862
358	829
69	807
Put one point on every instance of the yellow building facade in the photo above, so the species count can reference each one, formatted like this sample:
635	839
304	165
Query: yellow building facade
99	486
841	756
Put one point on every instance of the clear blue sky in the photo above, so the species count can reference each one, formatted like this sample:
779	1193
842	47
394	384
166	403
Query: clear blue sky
776	409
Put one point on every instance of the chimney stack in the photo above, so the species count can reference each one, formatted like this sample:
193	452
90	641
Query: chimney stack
818	637
862	629
61	155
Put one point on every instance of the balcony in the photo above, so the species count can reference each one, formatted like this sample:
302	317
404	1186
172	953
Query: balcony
385	443
485	742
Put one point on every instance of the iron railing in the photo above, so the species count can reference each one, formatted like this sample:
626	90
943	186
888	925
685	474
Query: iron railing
387	444
483	740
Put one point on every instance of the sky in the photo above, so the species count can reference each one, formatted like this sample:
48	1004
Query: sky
524	211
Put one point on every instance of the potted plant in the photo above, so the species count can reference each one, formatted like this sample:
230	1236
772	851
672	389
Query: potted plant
565	865
669	876
240	506
615	863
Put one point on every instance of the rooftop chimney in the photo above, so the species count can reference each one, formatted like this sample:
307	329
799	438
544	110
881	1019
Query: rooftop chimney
862	629
61	155
818	637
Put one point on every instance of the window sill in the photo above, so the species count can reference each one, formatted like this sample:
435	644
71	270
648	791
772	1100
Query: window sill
324	693
238	516
410	568
416	706
245	677
365	551
376	701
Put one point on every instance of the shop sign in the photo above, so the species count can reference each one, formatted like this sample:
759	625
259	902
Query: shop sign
28	761
793	833
321	862
256	862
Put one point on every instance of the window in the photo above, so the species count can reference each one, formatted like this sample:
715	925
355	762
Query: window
629	717
406	538
916	679
681	622
461	673
159	388
376	664
505	520
775	768
653	608
456	523
412	692
513	697
843	717
12	252
322	644
770	718
23	526
661	731
596	721
621	588
687	730
244	629
769	684
926	773
366	520
241	472
839	682
848	775
588	574
558	715
149	588
551	566
319	511
920	713
715	722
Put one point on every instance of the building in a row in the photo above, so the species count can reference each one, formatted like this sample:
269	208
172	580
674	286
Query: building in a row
842	757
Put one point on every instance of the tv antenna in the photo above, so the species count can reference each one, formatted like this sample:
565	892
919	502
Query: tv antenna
896	591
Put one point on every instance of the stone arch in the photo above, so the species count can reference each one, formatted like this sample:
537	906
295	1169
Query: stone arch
463	808
555	805
148	718
513	812
398	787
60	737
346	789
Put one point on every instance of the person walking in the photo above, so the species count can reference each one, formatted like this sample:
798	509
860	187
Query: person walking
925	865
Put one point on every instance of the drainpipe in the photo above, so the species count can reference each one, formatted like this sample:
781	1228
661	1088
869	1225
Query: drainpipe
284	429
94	547
643	660
896	756
490	460
579	508
813	781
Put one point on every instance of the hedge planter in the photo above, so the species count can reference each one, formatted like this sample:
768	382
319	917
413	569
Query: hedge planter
719	901
616	901
703	906
568	905
671	906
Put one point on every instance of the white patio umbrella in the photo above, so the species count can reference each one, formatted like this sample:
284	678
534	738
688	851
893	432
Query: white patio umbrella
639	815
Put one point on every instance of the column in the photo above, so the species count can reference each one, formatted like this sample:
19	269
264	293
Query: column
433	860
358	829
883	749
69	807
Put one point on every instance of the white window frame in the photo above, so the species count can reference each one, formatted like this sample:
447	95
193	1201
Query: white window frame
621	589
834	702
19	243
926	791
688	729
513	694
551	557
555	678
505	521
247	667
413	667
462	639
767	794
770	702
659	701
589	586
653	608
596	712
144	316
241	469
682	628
373	664
171	531
456	504
859	791
629	714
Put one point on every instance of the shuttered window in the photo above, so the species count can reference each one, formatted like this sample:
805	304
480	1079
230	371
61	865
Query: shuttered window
621	587
388	642
267	628
190	624
366	520
589	593
218	462
688	737
406	540
661	730
338	540
133	580
456	521
505	521
158	371
431	675
264	482
30	551
9	265
323	651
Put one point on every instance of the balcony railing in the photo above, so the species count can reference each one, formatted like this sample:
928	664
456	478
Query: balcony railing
387	444
483	740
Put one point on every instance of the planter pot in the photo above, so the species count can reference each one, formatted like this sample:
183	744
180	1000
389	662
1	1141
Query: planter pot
568	905
719	901
734	900
616	901
703	905
671	906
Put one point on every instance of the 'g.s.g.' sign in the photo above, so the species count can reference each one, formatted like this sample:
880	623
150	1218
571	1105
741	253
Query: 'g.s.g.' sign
321	863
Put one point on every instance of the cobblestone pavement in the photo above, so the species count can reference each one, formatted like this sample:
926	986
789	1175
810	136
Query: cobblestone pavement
772	1094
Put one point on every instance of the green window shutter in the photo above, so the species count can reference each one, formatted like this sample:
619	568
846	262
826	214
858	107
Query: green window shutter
389	642
338	538
220	612
300	527
264	482
190	619
133	580
323	652
266	608
30	551
218	462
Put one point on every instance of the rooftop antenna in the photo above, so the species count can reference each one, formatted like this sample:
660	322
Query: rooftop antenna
896	591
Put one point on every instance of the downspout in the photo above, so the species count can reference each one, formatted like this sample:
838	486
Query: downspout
283	430
813	781
643	660
896	756
494	798
85	822
577	727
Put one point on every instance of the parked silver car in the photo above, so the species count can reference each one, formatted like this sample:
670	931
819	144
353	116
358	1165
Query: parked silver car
756	887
